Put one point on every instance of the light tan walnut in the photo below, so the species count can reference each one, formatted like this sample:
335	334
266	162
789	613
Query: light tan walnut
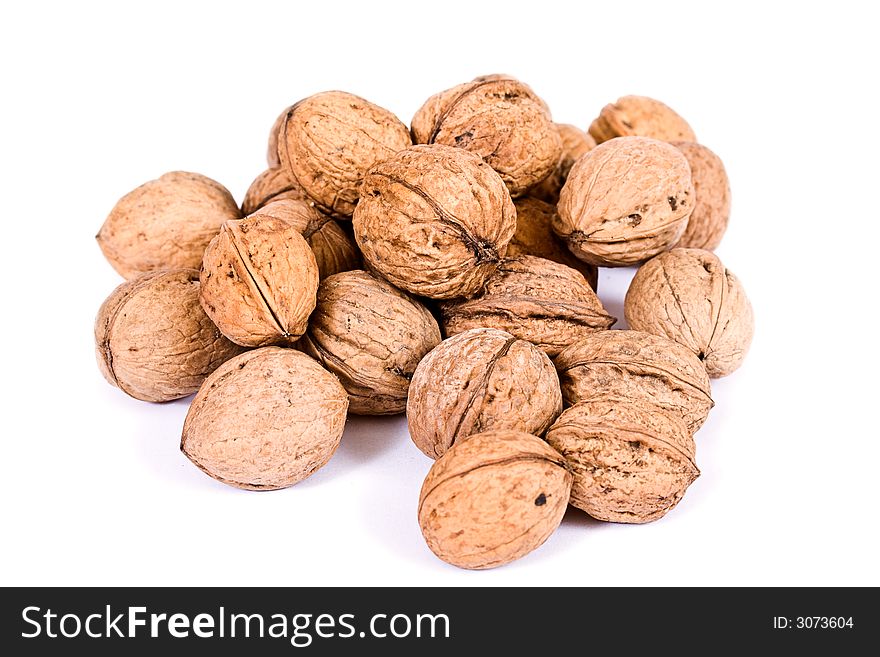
272	185
640	116
575	143
708	221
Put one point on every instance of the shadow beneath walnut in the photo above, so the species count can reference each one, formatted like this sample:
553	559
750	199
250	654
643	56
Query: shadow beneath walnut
367	438
613	284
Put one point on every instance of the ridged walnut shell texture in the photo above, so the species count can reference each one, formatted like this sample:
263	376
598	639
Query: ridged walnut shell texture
640	367
272	185
688	295
493	499
632	462
533	299
434	220
640	116
329	140
625	201
708	221
534	236
372	336
334	250
479	380
165	223
264	420
259	281
575	143
154	342
500	119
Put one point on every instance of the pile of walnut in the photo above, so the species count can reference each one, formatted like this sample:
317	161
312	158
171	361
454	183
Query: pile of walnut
365	244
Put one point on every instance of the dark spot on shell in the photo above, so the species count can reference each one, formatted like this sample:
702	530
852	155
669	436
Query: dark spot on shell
635	219
464	139
541	500
635	444
673	203
701	355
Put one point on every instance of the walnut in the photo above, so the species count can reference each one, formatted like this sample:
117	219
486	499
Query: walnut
711	213
493	498
334	250
533	299
264	420
625	201
500	119
153	340
688	296
259	281
640	116
639	367
575	142
165	223
534	236
479	380
632	461
329	140
434	220
272	185
371	336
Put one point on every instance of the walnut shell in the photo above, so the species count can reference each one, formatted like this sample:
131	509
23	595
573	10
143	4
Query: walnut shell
334	250
371	335
272	185
479	380
533	299
534	236
640	367
640	116
259	281
329	140
434	220
165	223
153	341
500	119
625	201
264	420
632	462
575	142
708	221
688	296
493	498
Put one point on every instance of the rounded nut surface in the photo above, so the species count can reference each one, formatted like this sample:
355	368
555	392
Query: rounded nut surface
533	299
434	220
493	498
153	341
688	296
264	420
534	236
640	116
625	201
272	185
575	143
479	380
329	140
500	119
259	281
165	223
371	336
708	221
640	367
631	462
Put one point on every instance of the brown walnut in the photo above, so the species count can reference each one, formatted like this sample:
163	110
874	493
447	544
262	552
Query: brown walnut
631	461
687	295
625	201
639	367
165	223
711	213
533	299
640	116
500	119
272	185
575	142
479	380
434	220
493	499
153	341
370	335
264	420
259	281
329	140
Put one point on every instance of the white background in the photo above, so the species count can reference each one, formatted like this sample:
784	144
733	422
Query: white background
100	98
